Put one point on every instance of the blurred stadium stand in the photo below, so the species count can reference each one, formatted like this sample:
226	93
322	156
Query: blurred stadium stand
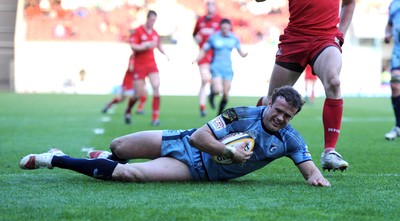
47	27
105	22
8	10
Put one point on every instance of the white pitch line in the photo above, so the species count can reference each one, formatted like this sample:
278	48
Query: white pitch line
105	119
98	130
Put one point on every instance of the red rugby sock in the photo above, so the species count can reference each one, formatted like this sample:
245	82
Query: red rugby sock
156	107
332	118
142	101
131	102
113	101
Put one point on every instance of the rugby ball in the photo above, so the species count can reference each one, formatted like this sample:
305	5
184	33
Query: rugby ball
233	140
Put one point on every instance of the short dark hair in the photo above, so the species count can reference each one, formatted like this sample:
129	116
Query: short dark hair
225	21
150	13
292	97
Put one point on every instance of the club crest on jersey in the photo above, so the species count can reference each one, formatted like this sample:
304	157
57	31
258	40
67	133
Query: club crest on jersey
273	148
218	123
229	115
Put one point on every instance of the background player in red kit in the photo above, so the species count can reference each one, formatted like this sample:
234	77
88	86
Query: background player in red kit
126	89
143	41
310	80
205	26
314	37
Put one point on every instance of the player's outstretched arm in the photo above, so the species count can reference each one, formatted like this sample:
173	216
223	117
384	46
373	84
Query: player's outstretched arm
312	174
161	49
388	33
242	53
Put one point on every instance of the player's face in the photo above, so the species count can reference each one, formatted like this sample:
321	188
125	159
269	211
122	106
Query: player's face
211	8
151	20
225	28
278	115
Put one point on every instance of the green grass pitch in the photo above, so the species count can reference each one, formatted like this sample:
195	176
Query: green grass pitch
33	123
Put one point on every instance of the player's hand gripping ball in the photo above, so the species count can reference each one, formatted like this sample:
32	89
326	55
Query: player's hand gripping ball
234	139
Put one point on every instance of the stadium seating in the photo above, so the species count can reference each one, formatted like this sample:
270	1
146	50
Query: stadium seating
97	24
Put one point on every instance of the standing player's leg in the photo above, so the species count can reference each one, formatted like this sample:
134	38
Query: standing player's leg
142	101
310	90
310	80
138	92
327	67
205	79
227	83
117	99
215	89
280	76
154	78
312	96
395	98
127	84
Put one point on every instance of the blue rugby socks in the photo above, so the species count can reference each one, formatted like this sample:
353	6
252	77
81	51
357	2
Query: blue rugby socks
96	168
396	108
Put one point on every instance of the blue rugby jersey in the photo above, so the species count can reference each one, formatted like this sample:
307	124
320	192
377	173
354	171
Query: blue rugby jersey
394	21
268	147
222	47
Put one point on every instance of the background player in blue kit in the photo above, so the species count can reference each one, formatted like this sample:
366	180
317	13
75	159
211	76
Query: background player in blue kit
185	155
222	43
393	31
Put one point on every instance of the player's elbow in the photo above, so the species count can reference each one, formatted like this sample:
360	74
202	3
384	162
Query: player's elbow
193	140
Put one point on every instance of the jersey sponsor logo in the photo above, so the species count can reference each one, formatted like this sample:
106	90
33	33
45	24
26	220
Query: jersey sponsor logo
218	123
207	31
215	25
143	37
229	116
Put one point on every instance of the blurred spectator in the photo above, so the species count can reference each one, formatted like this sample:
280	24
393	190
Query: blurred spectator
45	7
32	8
